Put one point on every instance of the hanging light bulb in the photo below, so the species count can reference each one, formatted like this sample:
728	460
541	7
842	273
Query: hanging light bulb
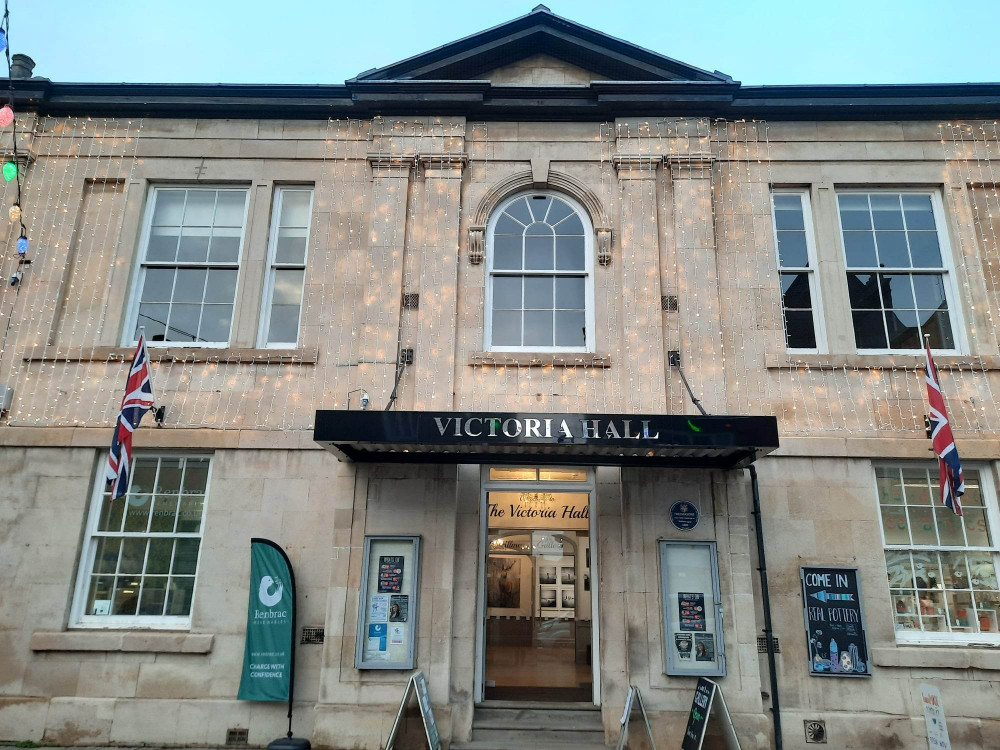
9	171
15	212
6	116
22	245
3	40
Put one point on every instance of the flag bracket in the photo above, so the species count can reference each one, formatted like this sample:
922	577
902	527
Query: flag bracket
159	414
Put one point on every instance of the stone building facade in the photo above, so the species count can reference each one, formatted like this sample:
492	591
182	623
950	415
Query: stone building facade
783	248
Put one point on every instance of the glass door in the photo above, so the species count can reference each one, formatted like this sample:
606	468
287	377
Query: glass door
538	593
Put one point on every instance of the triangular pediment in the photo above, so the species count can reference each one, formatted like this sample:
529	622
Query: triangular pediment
543	46
541	69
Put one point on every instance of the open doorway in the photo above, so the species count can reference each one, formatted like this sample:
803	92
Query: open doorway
538	583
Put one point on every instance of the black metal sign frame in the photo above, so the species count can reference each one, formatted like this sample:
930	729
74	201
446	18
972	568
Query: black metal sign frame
834	615
505	437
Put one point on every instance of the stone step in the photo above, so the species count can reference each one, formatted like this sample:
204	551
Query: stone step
504	745
545	737
534	718
544	705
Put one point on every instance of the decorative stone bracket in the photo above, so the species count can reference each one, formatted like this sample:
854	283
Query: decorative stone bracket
477	245
604	245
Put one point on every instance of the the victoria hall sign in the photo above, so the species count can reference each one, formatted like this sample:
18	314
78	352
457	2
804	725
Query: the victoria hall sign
621	439
547	427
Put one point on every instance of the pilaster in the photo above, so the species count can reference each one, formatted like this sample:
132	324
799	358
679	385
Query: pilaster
379	333
699	306
642	340
437	319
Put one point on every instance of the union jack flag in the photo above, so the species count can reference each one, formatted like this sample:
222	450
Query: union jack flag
138	400
943	442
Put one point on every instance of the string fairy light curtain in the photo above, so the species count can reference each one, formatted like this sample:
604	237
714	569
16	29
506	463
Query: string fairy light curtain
691	273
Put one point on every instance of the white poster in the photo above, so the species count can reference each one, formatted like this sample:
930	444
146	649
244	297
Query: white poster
378	608
937	728
397	635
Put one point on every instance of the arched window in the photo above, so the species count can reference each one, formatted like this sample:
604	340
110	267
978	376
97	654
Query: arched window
540	291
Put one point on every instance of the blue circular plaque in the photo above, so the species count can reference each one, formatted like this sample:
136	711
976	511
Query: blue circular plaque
684	515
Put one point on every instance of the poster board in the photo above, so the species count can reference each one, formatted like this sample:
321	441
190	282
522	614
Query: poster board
417	685
691	609
835	622
387	611
708	701
937	727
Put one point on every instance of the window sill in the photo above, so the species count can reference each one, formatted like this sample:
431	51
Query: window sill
159	642
971	363
172	354
957	656
540	359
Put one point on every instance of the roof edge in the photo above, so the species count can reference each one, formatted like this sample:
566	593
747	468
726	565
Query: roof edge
598	100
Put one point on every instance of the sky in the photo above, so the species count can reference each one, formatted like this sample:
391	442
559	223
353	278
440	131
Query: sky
296	41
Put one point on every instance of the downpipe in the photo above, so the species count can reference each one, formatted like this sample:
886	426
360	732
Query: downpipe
766	601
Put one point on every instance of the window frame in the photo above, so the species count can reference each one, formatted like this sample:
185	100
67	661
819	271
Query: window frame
141	264
990	503
947	269
88	551
587	273
263	328
815	287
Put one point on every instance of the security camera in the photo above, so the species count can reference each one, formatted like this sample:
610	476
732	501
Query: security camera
364	399
16	278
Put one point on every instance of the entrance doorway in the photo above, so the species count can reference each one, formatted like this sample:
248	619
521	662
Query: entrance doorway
538	585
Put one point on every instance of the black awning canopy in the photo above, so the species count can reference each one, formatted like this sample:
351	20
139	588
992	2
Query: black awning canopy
679	441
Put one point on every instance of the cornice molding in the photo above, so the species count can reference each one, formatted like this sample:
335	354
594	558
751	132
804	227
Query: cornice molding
399	165
391	165
598	101
636	166
690	166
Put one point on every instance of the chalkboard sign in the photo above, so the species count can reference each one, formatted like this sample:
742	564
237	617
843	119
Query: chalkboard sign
835	622
708	701
416	686
424	701
704	695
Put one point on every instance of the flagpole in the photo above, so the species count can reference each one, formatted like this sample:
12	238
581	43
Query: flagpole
927	346
142	335
157	414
